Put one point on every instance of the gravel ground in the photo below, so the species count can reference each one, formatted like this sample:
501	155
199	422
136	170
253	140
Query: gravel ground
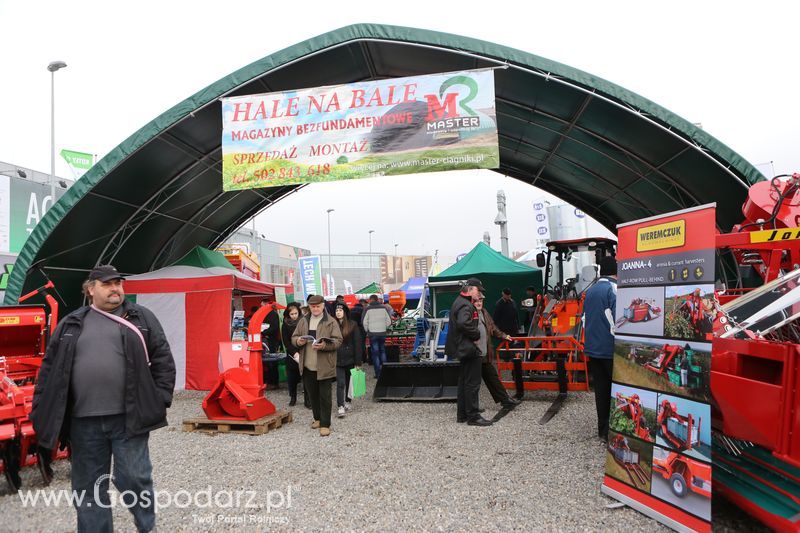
386	467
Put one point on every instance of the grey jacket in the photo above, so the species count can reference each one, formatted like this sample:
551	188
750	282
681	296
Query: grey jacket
376	320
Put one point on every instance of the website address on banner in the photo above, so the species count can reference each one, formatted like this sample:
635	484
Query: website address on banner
427	161
160	499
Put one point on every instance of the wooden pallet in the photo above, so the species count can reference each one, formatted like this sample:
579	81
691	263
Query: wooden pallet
244	427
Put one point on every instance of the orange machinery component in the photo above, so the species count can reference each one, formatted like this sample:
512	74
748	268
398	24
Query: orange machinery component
397	299
239	392
242	261
540	351
684	474
632	407
24	332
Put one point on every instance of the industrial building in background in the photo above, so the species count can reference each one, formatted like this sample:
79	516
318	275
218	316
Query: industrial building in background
24	199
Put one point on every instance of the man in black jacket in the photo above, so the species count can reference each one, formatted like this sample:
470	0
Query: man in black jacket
271	329
462	335
106	382
505	314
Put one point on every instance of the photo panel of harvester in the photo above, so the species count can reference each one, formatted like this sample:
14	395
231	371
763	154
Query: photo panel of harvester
640	311
689	311
682	481
672	366
633	412
629	460
684	426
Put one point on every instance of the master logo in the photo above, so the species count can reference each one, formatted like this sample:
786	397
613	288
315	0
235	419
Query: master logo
668	235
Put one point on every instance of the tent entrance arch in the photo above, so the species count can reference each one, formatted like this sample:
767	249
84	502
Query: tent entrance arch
609	152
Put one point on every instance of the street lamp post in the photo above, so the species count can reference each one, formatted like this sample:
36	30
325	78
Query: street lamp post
394	260
371	272
53	67
330	273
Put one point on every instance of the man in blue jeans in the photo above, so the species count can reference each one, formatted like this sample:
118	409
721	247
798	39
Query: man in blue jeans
599	309
105	383
376	320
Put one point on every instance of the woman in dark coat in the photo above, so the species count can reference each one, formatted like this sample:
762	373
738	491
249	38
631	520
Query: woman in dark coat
290	317
349	354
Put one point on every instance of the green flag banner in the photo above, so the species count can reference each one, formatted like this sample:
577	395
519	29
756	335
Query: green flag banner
78	162
394	126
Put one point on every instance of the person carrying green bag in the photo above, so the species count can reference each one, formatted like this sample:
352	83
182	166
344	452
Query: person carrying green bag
348	356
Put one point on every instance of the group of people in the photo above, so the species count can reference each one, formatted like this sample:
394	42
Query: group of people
469	339
108	375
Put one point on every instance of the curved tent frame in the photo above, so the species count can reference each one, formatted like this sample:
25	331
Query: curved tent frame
613	154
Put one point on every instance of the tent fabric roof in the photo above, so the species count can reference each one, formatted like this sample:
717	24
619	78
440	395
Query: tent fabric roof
482	259
181	278
414	287
613	154
372	288
205	258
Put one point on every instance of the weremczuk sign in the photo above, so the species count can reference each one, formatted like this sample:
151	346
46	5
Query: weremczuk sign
394	126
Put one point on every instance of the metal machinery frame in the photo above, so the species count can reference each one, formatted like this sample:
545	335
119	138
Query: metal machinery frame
755	379
551	356
24	333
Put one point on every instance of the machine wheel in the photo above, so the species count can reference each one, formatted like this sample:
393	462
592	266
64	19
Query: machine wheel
678	484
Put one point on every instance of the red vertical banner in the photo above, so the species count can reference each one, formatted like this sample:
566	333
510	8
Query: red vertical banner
658	458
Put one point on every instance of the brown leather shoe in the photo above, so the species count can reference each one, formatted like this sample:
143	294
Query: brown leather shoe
315	424
324	432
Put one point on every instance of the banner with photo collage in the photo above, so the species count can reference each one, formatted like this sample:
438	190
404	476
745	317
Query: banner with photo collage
658	458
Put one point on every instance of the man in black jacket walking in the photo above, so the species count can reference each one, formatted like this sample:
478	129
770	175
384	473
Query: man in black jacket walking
462	336
105	383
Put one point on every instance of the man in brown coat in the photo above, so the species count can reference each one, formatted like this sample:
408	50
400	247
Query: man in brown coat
488	371
318	336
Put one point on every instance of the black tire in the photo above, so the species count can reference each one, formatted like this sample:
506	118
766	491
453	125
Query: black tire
678	485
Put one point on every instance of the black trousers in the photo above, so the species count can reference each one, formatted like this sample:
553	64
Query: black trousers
342	384
601	370
492	381
469	386
319	392
292	376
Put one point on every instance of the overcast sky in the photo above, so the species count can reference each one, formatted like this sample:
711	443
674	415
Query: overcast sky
731	66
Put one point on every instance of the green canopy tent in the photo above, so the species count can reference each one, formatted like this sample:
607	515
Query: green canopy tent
204	258
372	288
495	271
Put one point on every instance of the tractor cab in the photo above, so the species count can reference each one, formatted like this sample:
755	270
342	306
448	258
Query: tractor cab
559	309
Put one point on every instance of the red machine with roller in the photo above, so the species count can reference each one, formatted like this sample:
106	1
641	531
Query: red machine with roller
755	367
24	332
239	392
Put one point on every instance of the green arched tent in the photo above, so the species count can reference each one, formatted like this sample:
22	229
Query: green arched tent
613	154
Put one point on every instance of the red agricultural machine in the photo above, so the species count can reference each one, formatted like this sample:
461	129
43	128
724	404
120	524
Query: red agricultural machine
631	406
755	366
24	332
239	392
639	310
551	356
627	459
681	432
683	473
